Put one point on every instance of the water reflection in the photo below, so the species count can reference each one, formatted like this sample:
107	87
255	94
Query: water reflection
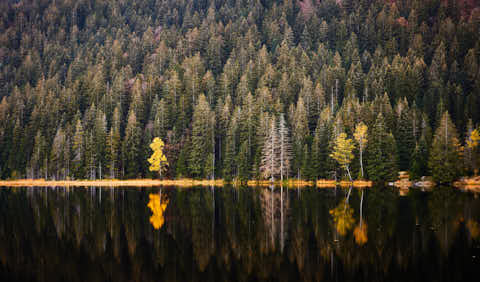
217	234
157	205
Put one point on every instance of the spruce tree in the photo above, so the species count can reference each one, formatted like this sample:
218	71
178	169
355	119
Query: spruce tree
381	153
270	158
285	147
445	161
201	137
78	162
405	139
243	162
131	146
418	166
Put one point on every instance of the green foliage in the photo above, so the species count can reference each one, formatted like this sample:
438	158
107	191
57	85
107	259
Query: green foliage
418	167
202	136
204	77
343	152
445	161
381	153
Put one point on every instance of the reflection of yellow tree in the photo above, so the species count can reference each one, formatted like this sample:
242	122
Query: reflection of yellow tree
342	217
474	228
158	208
360	233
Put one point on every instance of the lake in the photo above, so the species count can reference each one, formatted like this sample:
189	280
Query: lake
238	234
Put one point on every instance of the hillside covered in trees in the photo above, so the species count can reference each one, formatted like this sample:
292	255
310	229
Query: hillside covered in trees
234	86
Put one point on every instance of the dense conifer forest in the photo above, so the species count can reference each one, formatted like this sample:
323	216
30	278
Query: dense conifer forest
239	89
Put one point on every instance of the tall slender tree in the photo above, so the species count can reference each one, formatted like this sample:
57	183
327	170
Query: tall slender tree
285	147
361	136
445	160
270	158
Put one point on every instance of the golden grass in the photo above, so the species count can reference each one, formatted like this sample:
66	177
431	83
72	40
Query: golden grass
288	183
472	183
176	182
403	184
112	182
323	183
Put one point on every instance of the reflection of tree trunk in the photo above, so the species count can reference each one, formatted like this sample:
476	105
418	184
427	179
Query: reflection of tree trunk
213	217
348	197
282	238
273	222
361	208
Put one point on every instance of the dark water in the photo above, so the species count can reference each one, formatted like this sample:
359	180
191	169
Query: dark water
246	234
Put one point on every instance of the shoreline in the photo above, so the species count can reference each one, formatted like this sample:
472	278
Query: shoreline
178	182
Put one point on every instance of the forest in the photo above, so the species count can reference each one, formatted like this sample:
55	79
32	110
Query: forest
240	89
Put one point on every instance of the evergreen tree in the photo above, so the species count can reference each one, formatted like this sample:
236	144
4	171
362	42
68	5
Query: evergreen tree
78	162
405	139
381	153
131	146
445	162
284	147
230	151
418	167
270	158
243	162
201	137
322	163
57	154
112	158
38	155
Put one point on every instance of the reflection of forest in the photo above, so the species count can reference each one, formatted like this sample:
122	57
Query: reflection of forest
236	234
275	205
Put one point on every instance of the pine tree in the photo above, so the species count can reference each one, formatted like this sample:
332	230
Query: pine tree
161	121
418	167
405	139
131	146
201	137
381	153
300	132
38	155
270	158
307	169
100	134
284	147
113	152
230	151
322	163
445	162
243	162
57	153
78	162
90	156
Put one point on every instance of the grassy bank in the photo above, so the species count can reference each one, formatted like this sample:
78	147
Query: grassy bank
176	182
112	183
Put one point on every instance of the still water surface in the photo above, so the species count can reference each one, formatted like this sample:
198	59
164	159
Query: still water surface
243	234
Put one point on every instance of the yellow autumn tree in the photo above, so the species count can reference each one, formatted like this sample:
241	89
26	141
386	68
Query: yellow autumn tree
474	139
342	152
158	161
360	135
158	207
